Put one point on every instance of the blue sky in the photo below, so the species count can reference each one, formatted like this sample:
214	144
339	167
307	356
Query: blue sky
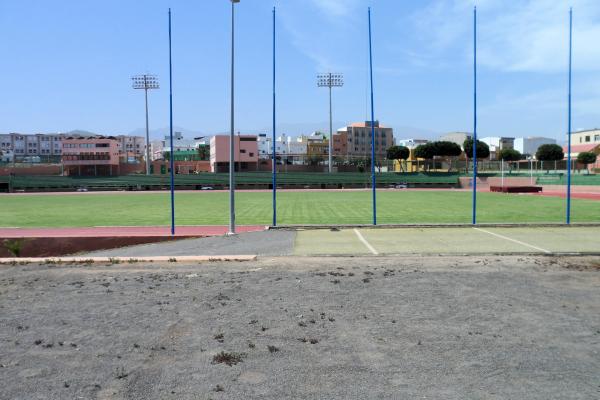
67	64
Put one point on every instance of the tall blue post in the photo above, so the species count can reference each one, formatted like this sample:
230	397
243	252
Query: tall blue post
373	179
274	134
569	123
474	116
172	157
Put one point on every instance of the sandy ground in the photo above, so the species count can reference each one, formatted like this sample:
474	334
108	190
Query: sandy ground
304	328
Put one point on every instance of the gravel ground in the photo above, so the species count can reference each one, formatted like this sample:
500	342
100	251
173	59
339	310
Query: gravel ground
268	243
304	328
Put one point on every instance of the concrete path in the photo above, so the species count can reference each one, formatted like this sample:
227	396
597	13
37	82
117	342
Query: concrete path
271	243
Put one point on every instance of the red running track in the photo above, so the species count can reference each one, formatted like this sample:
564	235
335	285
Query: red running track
574	195
125	231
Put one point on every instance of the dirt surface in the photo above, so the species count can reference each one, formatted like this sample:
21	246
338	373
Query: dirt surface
304	328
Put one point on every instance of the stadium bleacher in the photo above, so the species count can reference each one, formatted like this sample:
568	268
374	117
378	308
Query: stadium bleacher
253	180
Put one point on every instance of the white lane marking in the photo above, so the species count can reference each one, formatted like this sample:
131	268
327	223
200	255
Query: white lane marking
362	239
513	240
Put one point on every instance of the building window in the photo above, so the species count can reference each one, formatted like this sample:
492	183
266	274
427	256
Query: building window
597	138
587	139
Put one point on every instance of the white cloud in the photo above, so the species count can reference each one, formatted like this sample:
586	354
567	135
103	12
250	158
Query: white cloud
320	31
530	35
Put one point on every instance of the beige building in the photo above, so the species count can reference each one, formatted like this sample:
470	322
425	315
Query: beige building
456	137
358	139
586	137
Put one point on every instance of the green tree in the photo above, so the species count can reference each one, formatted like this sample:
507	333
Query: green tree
586	158
398	153
510	155
426	151
549	152
483	150
447	149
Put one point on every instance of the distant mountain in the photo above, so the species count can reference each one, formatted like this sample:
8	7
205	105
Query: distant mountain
81	132
290	129
160	133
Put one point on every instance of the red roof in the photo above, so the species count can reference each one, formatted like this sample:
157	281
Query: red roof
580	148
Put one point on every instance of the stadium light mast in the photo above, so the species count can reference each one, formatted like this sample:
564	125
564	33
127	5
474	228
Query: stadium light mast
146	82
232	133
330	80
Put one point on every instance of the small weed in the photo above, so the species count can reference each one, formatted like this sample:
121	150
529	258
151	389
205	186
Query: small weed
113	260
172	260
272	349
219	338
132	260
14	246
228	358
218	388
120	373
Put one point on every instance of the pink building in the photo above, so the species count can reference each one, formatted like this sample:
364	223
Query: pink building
245	153
96	155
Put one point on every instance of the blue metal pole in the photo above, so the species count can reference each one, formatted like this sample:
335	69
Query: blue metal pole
569	128
172	158
274	134
474	115
373	180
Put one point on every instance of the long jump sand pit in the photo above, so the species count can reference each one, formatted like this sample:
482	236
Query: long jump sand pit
447	327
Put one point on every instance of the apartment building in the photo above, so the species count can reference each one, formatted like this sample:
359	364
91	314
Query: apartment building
48	147
131	148
91	156
22	145
357	139
245	152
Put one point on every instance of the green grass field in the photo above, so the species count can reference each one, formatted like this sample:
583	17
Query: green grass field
351	207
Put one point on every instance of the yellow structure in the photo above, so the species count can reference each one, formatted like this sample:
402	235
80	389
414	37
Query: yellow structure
411	164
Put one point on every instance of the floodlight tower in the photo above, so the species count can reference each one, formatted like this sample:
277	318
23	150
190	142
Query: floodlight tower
330	80
146	82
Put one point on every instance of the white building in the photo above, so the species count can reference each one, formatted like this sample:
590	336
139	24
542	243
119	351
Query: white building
6	156
284	146
530	145
411	143
158	147
133	146
32	145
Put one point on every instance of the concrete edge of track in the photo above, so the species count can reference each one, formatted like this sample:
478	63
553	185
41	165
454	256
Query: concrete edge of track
483	225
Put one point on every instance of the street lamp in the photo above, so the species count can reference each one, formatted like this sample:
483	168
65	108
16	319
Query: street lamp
330	80
231	133
146	82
